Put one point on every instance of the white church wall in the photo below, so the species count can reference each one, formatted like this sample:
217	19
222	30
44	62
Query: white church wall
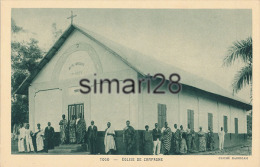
188	100
56	80
55	75
177	106
150	107
224	110
208	106
48	108
115	107
242	119
107	60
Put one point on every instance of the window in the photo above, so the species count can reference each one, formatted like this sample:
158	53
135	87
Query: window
161	115
190	114
225	123
210	120
236	125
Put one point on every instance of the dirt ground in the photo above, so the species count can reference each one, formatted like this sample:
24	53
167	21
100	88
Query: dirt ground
245	149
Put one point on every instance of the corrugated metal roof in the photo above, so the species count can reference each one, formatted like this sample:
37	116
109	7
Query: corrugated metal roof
139	62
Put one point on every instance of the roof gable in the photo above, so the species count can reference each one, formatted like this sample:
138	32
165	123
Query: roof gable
141	63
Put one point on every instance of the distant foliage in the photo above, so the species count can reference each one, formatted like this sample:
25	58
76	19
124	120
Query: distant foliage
241	50
56	33
25	57
15	28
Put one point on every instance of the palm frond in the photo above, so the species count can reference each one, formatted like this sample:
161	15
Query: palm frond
242	78
240	50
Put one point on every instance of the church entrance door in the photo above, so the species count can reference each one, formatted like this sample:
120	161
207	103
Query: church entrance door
75	109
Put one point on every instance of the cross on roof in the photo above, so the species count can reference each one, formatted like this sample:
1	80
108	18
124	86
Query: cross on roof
71	17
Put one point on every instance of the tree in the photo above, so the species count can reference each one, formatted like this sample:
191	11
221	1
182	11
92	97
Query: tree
15	28
241	50
249	124
25	56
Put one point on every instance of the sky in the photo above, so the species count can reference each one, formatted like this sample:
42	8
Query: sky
195	40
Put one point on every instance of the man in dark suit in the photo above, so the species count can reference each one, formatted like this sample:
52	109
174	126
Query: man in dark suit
156	140
49	137
92	138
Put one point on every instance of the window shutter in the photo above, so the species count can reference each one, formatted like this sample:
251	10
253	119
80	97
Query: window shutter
225	124
192	119
236	125
159	116
210	120
163	114
188	117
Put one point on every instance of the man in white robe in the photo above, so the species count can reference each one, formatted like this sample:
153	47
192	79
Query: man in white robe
39	138
28	138
221	136
109	140
21	138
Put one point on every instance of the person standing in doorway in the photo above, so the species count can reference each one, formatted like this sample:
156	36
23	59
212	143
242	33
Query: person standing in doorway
72	130
92	138
49	137
63	129
156	140
221	136
129	138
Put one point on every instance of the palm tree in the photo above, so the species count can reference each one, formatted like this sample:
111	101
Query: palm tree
241	50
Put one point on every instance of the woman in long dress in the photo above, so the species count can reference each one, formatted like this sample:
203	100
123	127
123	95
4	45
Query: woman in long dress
211	141
183	143
72	130
166	139
63	129
80	129
193	143
39	138
202	140
183	148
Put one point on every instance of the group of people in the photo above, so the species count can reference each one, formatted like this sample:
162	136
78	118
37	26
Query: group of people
39	141
74	132
158	141
179	141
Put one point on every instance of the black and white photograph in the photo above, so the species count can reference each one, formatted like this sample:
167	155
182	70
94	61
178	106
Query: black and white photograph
131	81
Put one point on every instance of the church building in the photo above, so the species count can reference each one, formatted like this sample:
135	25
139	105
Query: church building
54	89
